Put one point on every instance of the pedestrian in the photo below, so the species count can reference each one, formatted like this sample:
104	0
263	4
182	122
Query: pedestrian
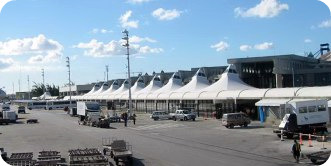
134	119
125	116
296	149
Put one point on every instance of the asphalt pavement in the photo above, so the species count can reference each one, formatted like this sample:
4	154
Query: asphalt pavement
162	143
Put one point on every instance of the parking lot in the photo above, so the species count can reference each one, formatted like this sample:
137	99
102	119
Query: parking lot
163	142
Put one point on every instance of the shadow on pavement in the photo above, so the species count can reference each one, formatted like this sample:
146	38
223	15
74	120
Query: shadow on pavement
249	127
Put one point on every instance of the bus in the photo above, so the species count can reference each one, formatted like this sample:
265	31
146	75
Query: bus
59	104
37	105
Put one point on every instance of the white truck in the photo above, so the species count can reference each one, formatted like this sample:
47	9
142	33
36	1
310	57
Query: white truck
88	113
183	115
10	115
304	116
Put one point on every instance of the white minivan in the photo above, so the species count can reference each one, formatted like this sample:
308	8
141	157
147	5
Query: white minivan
158	115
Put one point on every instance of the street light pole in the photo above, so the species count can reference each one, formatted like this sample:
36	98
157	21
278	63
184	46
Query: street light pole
107	69
126	38
68	65
29	88
43	75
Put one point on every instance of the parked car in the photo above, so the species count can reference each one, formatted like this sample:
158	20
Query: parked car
183	115
21	109
159	115
235	119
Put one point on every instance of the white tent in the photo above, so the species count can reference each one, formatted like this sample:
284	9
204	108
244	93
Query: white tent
114	86
103	88
46	95
174	83
95	88
228	86
252	93
139	85
154	85
123	88
272	102
198	82
319	92
281	92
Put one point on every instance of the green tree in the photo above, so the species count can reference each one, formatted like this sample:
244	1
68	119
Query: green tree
38	90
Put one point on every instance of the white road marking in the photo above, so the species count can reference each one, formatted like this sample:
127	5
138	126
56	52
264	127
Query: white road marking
157	126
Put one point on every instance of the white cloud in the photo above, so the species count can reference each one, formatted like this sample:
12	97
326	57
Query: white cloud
245	47
325	24
221	46
265	9
125	23
147	49
137	39
264	46
96	30
39	45
113	48
5	63
163	14
138	1
307	41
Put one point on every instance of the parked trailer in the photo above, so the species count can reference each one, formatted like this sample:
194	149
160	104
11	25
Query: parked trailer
18	159
4	121
11	115
88	113
49	158
119	150
304	116
91	157
319	157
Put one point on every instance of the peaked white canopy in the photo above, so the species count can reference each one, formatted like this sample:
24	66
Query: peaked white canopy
123	88
114	86
228	86
174	83
95	88
199	81
154	85
139	85
103	88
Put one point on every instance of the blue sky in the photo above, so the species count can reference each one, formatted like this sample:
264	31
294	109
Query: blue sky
166	35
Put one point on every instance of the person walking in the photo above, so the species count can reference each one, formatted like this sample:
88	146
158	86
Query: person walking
125	117
134	119
296	149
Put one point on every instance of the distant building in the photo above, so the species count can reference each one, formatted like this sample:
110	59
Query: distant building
23	95
75	89
278	71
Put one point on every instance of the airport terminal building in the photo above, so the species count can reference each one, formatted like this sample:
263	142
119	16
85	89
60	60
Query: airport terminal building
246	85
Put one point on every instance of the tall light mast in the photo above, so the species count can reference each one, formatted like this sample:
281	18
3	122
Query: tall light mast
44	88
68	65
126	45
107	70
29	88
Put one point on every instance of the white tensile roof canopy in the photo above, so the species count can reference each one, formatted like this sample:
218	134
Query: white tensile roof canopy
154	85
102	89
139	85
174	83
123	88
229	83
114	86
199	81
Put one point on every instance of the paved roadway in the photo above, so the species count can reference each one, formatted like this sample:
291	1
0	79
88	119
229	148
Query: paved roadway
162	143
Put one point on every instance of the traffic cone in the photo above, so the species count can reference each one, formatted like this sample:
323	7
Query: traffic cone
281	135
300	139
309	141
